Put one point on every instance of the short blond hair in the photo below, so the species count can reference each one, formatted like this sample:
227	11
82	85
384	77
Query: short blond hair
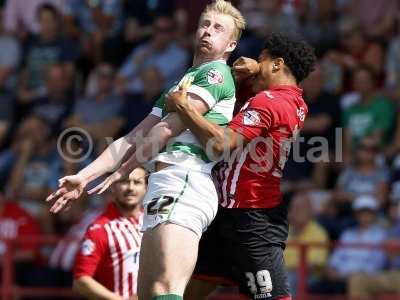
226	8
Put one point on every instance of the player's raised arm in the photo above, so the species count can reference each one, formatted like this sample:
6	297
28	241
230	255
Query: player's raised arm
71	187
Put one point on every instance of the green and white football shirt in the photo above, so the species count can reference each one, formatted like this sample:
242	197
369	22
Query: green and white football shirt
213	82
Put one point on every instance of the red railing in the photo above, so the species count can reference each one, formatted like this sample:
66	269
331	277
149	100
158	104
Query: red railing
9	290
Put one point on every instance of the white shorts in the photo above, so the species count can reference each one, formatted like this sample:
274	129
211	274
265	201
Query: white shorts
184	197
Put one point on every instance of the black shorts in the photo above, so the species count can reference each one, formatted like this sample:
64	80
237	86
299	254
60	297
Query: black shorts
245	247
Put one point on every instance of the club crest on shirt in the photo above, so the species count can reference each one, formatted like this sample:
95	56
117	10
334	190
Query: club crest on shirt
301	114
87	247
251	117
269	94
214	76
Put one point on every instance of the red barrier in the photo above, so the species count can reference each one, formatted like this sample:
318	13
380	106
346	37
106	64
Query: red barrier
9	290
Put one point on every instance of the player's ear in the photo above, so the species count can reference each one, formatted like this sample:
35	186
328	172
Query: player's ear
232	45
277	64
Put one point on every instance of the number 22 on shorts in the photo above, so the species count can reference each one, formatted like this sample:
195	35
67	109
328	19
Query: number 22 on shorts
160	205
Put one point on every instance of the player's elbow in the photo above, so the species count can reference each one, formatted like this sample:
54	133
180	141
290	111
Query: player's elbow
79	285
218	145
218	149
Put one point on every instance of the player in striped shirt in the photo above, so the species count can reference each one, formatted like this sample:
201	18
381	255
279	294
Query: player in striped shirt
107	264
245	243
177	208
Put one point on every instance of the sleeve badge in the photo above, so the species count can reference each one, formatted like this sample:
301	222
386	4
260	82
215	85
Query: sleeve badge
251	118
214	77
87	247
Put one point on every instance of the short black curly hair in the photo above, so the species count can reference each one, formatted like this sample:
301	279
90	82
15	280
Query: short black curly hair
298	55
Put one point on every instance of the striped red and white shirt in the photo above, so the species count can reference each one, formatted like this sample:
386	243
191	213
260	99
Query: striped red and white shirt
270	121
110	252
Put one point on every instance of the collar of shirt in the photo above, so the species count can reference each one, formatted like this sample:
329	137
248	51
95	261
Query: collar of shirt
112	212
291	88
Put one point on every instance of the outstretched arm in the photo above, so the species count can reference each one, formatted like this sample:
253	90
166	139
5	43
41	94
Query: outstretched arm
112	157
156	140
71	187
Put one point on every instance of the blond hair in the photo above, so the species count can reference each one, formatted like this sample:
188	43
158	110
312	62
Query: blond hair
226	8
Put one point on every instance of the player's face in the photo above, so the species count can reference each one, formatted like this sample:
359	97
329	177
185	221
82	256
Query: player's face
263	78
128	193
214	36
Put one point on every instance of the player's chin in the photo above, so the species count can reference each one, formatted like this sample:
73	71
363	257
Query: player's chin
131	200
204	49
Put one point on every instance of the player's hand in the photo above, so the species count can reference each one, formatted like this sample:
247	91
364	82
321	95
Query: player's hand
245	67
106	183
179	97
69	189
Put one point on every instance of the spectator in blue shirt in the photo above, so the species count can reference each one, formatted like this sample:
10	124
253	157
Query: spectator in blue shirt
372	286
346	261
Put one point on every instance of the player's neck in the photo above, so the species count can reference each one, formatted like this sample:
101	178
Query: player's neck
199	60
283	80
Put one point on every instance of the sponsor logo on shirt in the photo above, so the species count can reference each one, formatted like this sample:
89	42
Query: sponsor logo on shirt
87	247
301	114
251	117
214	76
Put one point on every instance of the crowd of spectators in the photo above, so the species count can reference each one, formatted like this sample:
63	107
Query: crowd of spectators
99	65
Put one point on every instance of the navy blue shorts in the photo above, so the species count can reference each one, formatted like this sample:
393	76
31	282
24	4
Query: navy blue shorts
245	247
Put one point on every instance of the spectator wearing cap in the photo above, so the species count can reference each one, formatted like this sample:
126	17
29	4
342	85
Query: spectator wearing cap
346	261
364	286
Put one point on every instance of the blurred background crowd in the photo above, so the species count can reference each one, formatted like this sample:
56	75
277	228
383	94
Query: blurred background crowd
100	64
